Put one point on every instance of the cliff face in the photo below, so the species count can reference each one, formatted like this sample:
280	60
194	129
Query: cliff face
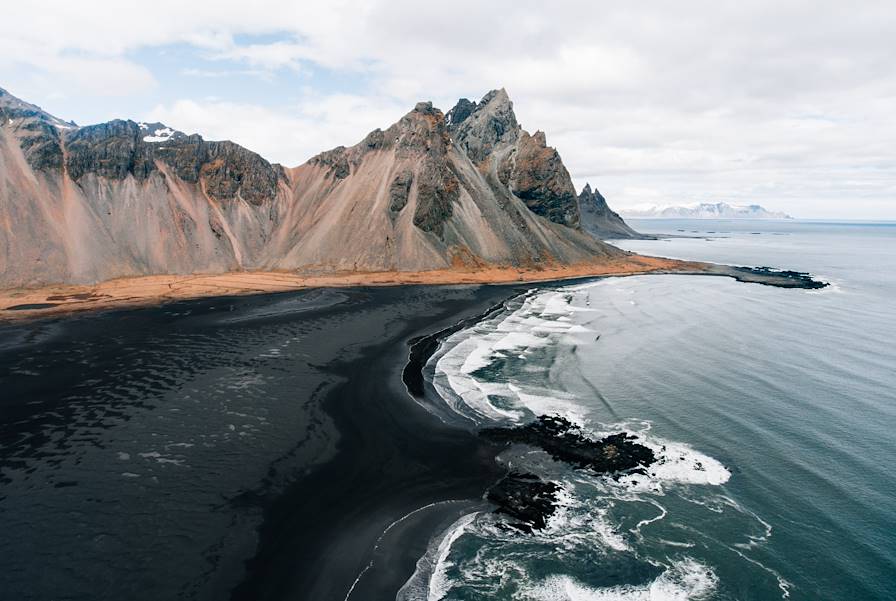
599	220
415	197
83	204
493	140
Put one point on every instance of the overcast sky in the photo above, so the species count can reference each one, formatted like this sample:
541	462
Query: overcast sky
791	105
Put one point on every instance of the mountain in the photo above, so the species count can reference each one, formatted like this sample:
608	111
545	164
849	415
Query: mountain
469	190
719	210
599	220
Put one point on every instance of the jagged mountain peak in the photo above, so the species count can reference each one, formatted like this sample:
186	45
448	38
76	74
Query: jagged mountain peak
599	220
421	130
588	193
9	101
14	108
480	128
426	108
144	198
424	119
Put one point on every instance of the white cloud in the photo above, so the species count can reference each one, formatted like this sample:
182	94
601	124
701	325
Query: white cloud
289	136
275	55
786	103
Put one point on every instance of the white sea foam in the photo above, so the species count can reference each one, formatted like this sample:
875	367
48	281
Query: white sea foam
684	580
541	321
677	462
833	286
430	580
439	583
579	523
490	373
662	514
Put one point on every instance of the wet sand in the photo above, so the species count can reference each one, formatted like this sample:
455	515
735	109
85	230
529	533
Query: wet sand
350	477
362	521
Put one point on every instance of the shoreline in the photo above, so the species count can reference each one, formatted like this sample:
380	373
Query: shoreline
19	304
399	476
347	499
362	519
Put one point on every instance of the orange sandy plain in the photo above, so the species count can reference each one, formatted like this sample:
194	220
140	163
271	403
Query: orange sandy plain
158	289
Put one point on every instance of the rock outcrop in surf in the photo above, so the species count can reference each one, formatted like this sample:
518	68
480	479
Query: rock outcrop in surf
466	191
526	499
529	500
564	441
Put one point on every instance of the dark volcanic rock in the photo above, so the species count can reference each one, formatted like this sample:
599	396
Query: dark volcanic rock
114	150
564	441
117	149
774	277
479	128
463	109
526	498
42	148
539	178
437	190
336	160
229	170
399	190
422	134
488	131
599	220
38	132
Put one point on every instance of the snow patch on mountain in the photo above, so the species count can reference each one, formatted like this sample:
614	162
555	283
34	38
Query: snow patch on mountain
158	132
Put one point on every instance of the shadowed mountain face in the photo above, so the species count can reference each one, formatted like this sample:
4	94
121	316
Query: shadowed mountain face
83	204
493	140
599	220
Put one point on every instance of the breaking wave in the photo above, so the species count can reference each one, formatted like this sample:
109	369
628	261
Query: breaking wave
507	370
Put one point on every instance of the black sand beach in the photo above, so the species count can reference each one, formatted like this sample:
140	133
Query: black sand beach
395	461
297	508
257	447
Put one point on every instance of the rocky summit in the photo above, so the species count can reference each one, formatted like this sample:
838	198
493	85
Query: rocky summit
600	220
466	190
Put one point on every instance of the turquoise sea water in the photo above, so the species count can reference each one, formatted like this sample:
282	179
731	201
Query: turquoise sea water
773	412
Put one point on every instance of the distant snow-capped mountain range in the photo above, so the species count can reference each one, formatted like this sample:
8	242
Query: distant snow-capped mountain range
718	210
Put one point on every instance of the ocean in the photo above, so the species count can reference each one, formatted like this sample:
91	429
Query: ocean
772	412
265	447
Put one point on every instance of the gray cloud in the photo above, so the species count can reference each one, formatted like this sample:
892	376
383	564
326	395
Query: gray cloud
784	103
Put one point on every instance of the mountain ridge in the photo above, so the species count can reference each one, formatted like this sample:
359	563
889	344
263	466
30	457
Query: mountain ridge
718	210
468	190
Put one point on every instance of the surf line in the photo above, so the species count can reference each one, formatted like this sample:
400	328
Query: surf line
422	348
379	540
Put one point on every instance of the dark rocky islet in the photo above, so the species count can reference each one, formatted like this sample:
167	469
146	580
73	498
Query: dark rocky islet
531	501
